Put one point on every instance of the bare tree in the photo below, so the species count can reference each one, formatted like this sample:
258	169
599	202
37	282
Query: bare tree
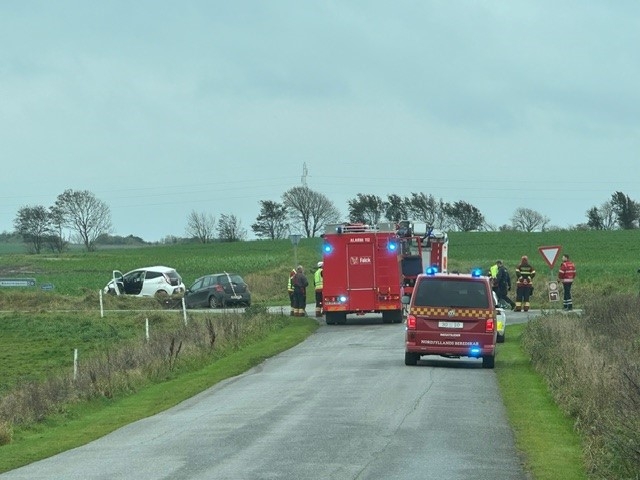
56	241
85	214
603	217
34	224
272	221
313	210
608	216
201	226
527	220
230	229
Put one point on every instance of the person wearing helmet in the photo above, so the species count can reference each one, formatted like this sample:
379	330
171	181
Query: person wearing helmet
317	280
290	290
525	273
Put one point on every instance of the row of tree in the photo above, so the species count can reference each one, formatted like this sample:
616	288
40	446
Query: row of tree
77	210
302	211
297	208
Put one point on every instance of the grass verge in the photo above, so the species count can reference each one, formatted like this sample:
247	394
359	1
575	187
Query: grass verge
85	422
551	447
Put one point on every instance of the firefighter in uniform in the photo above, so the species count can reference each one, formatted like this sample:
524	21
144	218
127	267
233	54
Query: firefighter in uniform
503	282
566	274
525	273
493	276
290	289
317	281
300	284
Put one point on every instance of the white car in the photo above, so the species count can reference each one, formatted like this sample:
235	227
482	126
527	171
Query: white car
501	320
155	281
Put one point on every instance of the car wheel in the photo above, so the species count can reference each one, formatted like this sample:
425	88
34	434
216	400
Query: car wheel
488	361
411	358
214	302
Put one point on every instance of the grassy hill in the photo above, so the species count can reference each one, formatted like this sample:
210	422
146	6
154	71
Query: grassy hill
606	261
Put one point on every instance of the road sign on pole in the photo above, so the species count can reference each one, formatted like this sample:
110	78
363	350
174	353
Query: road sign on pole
295	239
550	254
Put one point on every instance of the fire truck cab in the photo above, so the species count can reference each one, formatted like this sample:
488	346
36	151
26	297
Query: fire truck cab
362	272
422	247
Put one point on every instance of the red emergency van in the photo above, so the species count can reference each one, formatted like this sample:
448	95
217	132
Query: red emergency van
451	315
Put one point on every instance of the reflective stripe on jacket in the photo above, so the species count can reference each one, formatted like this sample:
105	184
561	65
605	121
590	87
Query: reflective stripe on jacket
525	274
290	284
317	279
567	272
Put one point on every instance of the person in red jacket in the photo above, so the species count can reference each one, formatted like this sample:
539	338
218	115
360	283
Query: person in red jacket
566	275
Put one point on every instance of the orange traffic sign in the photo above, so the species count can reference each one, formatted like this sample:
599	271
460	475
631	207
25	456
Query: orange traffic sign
550	254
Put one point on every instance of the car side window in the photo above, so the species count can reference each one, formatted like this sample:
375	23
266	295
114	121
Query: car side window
151	275
134	277
197	285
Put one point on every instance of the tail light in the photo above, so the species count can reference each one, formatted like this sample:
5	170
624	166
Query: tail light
489	325
411	322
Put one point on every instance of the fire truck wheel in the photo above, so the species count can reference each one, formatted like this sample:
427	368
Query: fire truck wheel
392	316
488	361
411	359
335	318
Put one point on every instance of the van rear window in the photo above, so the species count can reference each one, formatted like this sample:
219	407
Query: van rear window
451	293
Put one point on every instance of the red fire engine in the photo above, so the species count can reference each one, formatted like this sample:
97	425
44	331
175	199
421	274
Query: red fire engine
367	269
361	272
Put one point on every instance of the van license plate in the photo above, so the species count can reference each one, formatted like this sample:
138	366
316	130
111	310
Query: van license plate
450	324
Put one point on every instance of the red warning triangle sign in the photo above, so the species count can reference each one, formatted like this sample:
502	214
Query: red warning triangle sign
550	254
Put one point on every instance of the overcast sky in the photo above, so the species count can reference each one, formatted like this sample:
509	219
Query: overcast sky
162	108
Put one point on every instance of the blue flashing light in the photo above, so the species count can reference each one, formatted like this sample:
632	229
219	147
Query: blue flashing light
475	351
327	248
476	272
431	270
392	246
342	298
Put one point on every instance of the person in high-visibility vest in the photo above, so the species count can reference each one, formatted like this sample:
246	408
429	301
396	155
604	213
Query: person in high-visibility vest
290	290
493	276
566	275
317	281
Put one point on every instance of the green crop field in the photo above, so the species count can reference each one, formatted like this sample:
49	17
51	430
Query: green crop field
606	261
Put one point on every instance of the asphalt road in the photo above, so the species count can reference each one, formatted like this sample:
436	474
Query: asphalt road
341	405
